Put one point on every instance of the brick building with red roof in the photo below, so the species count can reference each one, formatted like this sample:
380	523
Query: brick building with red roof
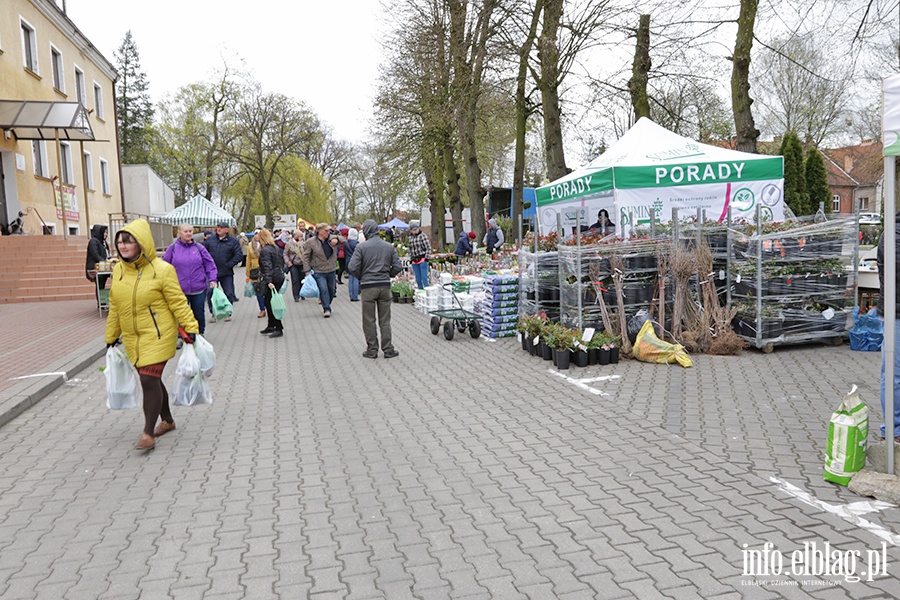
855	173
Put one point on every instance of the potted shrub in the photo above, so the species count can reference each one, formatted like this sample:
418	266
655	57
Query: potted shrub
579	352
593	348
395	290
613	345
604	342
549	336
529	327
565	341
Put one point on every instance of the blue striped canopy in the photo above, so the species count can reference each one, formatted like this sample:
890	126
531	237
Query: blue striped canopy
199	212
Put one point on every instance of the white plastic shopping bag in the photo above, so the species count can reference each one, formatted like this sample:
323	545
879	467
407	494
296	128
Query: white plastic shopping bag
206	354
188	363
191	391
123	384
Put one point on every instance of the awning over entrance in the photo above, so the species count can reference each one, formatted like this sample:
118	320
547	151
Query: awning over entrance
40	120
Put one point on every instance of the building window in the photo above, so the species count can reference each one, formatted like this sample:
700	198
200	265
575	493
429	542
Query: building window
29	46
88	170
39	153
863	203
79	87
66	163
836	203
56	62
98	100
104	176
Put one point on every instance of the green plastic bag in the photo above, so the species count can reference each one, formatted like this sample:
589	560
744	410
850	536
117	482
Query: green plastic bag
848	433
278	307
249	290
221	307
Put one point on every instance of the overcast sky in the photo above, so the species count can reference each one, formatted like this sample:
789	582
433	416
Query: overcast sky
323	52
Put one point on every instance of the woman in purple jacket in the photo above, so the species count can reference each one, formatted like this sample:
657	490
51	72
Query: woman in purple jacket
196	270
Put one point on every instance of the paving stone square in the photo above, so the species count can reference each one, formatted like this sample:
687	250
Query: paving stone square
460	469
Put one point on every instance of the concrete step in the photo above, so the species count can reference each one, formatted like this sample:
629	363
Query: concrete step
75	284
45	298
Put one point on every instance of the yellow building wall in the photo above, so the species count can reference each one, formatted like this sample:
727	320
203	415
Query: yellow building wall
17	82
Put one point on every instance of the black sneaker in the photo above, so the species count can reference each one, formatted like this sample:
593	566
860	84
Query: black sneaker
267	331
391	354
276	333
368	354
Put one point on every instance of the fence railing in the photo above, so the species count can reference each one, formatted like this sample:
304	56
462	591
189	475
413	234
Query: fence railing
162	232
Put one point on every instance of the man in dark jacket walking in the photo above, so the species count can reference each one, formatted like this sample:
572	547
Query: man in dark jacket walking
374	263
226	253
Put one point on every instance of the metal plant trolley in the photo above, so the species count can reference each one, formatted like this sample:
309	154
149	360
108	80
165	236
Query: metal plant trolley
456	318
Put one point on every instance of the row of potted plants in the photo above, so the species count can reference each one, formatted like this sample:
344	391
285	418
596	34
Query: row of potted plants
402	291
552	341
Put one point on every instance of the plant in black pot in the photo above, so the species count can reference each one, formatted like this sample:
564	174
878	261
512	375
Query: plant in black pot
580	350
593	348
549	337
395	290
407	291
565	341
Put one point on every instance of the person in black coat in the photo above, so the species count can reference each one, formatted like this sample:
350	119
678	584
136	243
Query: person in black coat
97	251
271	267
603	226
227	254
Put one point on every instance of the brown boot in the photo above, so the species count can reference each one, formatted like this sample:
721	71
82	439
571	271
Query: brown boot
261	315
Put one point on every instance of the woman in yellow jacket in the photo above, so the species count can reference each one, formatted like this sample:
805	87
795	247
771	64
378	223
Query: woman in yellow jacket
146	305
253	272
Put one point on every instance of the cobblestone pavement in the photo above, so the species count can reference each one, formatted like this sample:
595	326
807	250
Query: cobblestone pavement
462	469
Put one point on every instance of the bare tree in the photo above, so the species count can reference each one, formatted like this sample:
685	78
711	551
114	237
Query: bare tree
802	89
272	127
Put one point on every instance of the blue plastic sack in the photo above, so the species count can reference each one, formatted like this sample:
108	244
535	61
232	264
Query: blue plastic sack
310	288
284	287
868	331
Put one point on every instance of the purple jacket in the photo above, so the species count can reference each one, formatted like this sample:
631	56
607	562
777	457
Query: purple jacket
194	265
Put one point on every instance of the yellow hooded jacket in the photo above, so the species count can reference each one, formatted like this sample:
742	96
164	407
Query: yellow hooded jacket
146	303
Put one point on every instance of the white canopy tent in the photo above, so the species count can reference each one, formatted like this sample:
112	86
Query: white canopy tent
651	170
199	212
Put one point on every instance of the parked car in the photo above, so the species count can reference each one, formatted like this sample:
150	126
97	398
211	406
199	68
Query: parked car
868	218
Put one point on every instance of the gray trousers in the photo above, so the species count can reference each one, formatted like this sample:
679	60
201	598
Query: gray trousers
376	298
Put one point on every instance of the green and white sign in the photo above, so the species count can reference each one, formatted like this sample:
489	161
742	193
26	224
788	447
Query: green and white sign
891	115
651	170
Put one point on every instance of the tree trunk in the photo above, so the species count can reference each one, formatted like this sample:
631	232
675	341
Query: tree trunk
549	85
434	205
640	70
522	111
468	67
452	178
746	130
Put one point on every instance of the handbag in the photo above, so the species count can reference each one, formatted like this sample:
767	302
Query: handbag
255	274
